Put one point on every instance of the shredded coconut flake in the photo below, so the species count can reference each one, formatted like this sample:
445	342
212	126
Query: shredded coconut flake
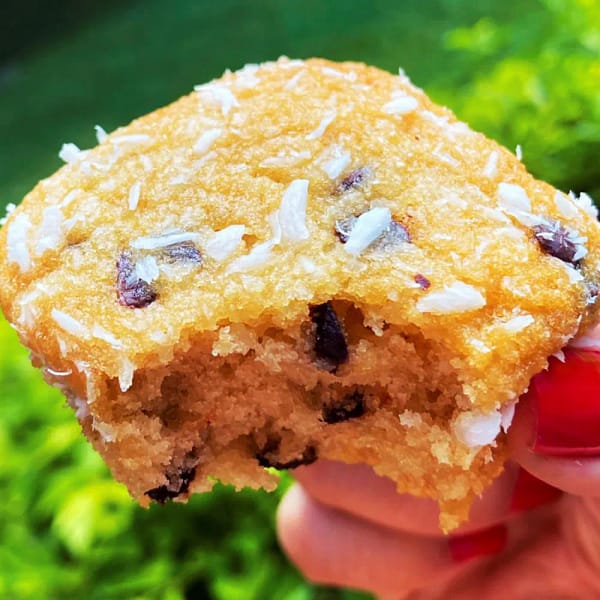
367	228
292	212
102	334
50	230
560	355
325	122
286	160
126	374
507	413
518	323
566	208
105	430
401	105
293	82
16	239
246	76
69	324
219	94
573	274
335	166
257	257
152	243
10	207
479	345
146	163
519	152
206	140
513	198
474	428
146	269
586	203
491	166
455	298
70	153
224	242
101	135
134	195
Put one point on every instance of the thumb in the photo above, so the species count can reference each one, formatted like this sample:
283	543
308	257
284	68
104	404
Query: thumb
555	433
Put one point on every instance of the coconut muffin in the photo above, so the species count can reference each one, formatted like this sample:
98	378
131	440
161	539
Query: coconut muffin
299	260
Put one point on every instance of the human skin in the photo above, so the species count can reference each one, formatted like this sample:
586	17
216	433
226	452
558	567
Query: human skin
343	525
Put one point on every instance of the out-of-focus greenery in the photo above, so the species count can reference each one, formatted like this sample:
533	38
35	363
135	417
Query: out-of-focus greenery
524	72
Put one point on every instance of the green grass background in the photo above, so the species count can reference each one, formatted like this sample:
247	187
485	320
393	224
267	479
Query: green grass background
525	72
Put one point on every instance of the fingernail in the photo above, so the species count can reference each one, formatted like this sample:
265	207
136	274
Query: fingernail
531	492
485	542
566	403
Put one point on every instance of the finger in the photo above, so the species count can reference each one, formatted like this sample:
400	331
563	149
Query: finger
579	475
331	547
357	490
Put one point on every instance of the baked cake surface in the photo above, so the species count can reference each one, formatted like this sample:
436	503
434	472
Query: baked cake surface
301	259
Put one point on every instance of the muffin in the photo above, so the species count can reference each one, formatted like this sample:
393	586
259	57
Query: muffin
299	260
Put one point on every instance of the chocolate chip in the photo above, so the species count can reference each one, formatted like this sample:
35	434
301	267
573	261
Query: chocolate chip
423	282
131	290
353	180
330	342
179	483
394	235
266	459
351	406
183	252
560	241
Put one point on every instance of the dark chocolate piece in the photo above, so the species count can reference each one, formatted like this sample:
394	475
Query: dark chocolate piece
266	459
353	180
330	342
178	484
183	252
423	282
351	406
559	241
131	290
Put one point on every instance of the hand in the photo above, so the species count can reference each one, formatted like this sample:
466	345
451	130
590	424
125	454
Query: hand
529	536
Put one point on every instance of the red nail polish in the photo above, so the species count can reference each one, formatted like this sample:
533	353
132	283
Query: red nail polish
485	542
566	402
530	492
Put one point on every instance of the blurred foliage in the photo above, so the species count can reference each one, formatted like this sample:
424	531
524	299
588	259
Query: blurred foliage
524	72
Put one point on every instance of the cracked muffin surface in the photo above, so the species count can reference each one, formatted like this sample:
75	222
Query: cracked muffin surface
300	260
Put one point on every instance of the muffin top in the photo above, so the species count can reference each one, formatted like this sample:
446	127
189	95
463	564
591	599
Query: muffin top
285	185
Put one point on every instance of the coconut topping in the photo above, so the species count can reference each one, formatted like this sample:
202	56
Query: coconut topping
454	298
565	206
220	95
400	104
206	140
325	122
518	323
491	166
101	135
224	242
70	153
335	166
70	324
146	269
134	195
292	212
513	197
475	428
586	203
18	232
